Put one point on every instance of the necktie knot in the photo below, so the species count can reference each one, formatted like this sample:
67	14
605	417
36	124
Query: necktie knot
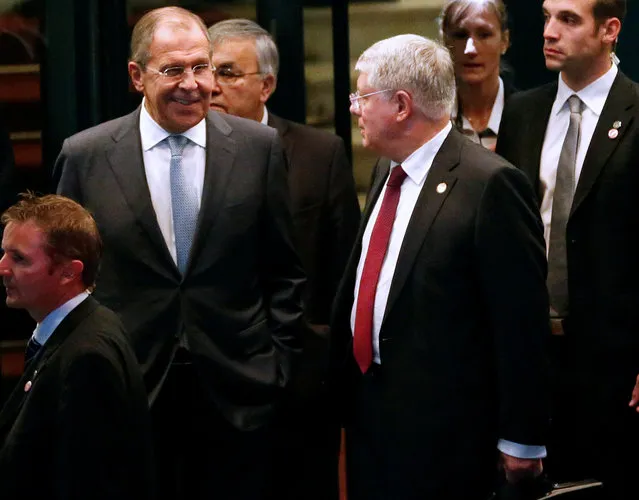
575	104
177	143
33	346
397	176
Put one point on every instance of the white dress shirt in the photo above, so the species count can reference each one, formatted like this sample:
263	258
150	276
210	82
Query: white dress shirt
594	98
47	326
489	139
157	162
416	167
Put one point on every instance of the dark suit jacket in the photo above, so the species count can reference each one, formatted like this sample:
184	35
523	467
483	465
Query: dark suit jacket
239	300
325	210
326	216
603	269
82	429
462	338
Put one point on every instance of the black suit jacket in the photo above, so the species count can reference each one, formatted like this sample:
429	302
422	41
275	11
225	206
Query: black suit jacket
77	424
239	301
462	338
325	210
603	269
326	216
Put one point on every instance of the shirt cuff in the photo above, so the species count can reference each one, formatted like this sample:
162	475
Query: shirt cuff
521	450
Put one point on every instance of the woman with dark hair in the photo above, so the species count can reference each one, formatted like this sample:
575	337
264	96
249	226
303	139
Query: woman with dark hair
476	32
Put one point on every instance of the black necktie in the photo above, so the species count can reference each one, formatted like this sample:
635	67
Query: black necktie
33	346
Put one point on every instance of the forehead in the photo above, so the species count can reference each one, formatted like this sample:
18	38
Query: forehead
174	43
24	236
584	8
235	52
479	17
362	83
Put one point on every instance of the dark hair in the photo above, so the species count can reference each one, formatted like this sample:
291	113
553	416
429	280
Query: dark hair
605	9
70	230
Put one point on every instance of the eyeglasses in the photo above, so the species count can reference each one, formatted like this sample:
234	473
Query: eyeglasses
355	97
225	76
199	71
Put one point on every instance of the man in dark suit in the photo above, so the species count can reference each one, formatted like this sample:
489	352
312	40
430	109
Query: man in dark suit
590	229
440	320
199	262
77	424
326	217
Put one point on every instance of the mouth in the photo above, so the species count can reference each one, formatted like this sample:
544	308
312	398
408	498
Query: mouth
551	52
186	102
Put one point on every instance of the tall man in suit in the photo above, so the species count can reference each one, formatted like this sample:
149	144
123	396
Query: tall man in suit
77	424
326	217
199	262
440	320
577	140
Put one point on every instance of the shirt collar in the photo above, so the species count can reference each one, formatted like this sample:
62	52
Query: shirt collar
264	120
47	326
495	114
152	134
593	96
418	163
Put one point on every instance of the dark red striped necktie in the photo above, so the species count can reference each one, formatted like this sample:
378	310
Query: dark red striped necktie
362	341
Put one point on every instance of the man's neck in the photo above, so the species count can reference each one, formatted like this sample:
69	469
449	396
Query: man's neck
420	133
40	314
578	80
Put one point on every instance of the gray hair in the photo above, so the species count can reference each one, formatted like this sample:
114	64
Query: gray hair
421	66
144	30
268	59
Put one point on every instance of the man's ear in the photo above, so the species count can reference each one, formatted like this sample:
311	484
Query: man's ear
135	72
610	29
404	105
269	83
71	271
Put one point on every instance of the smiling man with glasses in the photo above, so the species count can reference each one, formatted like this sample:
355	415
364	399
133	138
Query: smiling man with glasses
199	261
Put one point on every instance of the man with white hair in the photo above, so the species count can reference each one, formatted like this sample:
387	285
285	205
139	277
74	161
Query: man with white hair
440	321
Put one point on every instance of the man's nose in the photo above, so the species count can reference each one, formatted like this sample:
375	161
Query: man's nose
188	80
549	30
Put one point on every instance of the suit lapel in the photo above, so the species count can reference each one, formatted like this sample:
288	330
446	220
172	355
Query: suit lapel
38	365
428	204
619	107
127	164
282	128
536	133
346	290
221	151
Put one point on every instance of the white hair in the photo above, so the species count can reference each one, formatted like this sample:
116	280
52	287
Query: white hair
415	64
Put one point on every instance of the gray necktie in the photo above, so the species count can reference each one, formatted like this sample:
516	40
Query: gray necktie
561	204
184	203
